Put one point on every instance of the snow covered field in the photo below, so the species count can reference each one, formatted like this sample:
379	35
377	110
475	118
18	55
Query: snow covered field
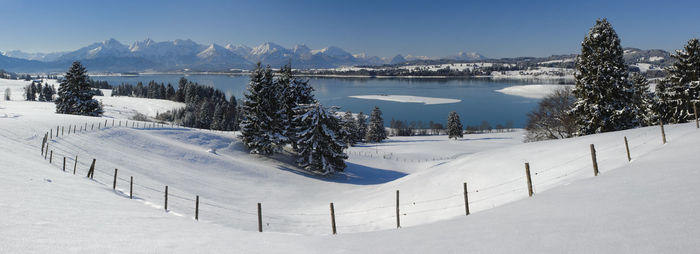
647	205
408	99
532	91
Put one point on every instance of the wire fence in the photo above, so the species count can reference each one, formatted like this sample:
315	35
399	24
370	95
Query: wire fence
182	203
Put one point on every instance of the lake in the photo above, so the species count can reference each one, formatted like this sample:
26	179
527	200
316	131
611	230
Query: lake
478	99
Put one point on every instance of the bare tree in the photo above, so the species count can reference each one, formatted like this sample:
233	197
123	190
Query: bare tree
551	119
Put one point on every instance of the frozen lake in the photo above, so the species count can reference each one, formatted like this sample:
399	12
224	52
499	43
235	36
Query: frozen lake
425	100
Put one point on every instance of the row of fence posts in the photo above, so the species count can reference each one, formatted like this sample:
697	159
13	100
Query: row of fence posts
530	190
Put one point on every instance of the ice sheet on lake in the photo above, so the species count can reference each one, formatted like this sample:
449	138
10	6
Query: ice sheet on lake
408	99
531	91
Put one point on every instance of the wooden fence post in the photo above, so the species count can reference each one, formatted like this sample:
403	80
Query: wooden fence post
259	217
529	179
112	122
131	188
663	133
46	153
75	166
43	144
114	184
333	218
91	172
63	128
57	131
51	135
166	197
627	146
51	157
75	127
105	123
120	123
398	213
64	163
595	161
196	209
85	126
69	126
466	199
92	126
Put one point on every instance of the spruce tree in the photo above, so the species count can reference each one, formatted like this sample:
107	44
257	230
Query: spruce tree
349	128
361	124
454	125
260	111
375	130
319	144
644	100
75	95
679	90
293	92
30	92
602	90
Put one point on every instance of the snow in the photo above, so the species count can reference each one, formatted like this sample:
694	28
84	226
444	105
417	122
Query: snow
407	99
648	205
643	67
532	91
655	58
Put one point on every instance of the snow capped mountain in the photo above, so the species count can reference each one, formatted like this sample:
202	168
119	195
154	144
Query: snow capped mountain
241	50
150	55
216	57
43	57
267	49
467	56
397	59
334	52
108	48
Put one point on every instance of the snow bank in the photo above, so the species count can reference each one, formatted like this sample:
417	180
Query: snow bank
407	99
531	91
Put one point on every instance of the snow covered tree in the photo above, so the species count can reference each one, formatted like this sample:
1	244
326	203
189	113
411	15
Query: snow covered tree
349	128
454	125
261	113
644	100
292	93
217	120
8	94
48	92
30	92
361	124
375	130
680	89
603	93
319	144
75	95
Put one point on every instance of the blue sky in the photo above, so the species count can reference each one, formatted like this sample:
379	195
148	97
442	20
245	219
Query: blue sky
384	28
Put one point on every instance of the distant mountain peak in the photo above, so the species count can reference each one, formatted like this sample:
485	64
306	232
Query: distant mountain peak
468	56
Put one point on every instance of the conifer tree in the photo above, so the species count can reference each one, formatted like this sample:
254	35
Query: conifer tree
30	92
319	144
260	111
375	130
680	90
454	125
349	127
75	95
361	124
602	89
644	100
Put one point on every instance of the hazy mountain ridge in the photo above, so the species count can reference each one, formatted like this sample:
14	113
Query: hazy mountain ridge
178	55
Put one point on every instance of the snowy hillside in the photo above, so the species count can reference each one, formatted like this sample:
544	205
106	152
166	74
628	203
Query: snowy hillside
647	205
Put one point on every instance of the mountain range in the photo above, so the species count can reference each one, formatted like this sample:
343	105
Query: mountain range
183	55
